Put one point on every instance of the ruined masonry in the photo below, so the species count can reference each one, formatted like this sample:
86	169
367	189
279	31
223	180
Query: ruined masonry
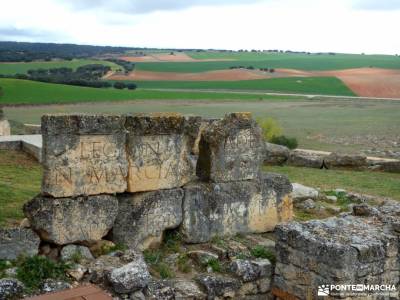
131	177
4	125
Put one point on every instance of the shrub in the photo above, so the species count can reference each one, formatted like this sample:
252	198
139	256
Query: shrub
289	142
34	270
131	86
119	85
270	128
262	252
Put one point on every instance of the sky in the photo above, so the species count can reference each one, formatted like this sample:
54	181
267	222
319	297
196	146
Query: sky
346	26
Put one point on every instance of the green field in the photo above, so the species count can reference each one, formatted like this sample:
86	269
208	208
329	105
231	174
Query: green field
31	92
300	85
372	183
274	60
22	68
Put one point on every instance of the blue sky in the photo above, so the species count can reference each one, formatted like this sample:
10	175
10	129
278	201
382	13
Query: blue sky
350	26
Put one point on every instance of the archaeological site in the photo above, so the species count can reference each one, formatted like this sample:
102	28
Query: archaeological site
166	206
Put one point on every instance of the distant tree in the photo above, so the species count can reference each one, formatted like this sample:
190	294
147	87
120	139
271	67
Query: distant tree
272	70
119	85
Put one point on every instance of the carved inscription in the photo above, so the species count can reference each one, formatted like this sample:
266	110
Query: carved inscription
244	140
92	165
157	162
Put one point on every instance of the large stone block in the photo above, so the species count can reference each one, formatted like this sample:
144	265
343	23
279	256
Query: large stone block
5	128
160	151
83	155
18	241
67	220
231	149
143	217
256	206
346	250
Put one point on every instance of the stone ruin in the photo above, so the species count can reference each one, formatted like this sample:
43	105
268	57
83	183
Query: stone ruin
131	177
5	128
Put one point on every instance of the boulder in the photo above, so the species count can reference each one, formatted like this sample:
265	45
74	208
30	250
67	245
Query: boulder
218	286
245	270
307	204
345	161
202	257
130	277
158	289
218	209
300	158
18	241
102	266
143	217
159	150
231	149
302	192
275	154
67	220
186	289
83	155
68	252
10	289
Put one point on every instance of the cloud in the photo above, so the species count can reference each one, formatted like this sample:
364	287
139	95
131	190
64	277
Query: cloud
378	4
13	33
147	6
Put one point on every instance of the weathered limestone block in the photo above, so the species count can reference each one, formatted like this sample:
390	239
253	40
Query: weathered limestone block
347	250
300	158
83	155
275	154
345	161
211	209
143	217
67	220
231	149
159	151
18	241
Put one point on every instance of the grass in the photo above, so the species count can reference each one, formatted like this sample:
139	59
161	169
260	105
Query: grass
300	85
274	60
321	124
262	252
20	178
32	271
372	183
31	92
22	68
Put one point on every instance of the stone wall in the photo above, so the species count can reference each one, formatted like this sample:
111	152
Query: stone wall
354	249
131	177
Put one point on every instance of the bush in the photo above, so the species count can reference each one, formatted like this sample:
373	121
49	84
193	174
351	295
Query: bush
291	143
270	128
131	86
34	270
262	252
119	85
